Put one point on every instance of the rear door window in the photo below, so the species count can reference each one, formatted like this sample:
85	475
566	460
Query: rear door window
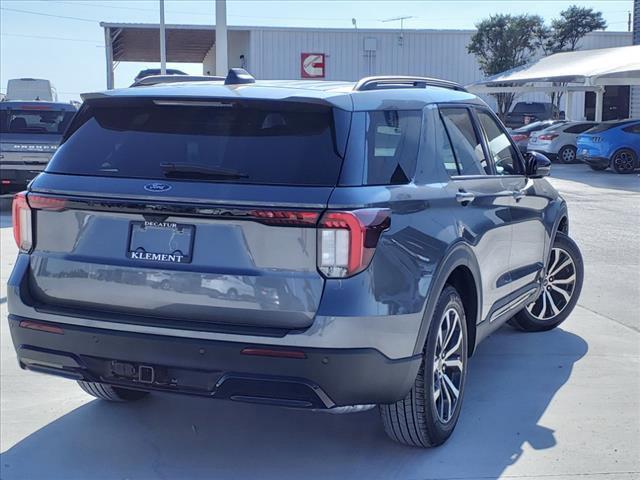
466	144
392	142
279	143
580	128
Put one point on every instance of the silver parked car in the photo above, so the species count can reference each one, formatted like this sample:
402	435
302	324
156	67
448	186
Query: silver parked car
558	142
521	135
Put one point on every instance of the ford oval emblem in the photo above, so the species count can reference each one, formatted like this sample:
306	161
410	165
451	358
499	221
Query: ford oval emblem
157	187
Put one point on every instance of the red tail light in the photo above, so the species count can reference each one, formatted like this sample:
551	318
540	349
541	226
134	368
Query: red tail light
22	229
23	216
37	202
347	240
548	136
285	217
518	137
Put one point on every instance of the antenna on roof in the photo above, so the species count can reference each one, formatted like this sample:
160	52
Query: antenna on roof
238	76
401	19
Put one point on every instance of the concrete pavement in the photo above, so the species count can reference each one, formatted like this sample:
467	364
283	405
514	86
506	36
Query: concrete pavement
563	404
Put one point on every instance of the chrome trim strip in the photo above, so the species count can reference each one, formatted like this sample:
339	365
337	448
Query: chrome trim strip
512	304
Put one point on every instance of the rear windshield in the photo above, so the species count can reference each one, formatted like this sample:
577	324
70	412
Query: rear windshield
529	108
249	142
34	121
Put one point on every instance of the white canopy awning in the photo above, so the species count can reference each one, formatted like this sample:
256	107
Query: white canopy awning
583	70
604	66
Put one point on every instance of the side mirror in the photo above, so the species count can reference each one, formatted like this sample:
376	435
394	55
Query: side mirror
537	165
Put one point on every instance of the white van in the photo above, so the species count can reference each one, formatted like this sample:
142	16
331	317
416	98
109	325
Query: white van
27	89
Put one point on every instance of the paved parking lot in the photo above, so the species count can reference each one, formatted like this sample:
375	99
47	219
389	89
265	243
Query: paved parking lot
558	405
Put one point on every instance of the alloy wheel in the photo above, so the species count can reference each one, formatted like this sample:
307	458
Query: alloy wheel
568	155
448	365
558	286
624	161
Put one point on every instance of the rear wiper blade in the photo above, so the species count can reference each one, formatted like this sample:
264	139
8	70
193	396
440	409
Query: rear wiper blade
194	170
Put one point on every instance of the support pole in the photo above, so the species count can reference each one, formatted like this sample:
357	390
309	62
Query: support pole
599	104
163	49
221	38
108	49
568	107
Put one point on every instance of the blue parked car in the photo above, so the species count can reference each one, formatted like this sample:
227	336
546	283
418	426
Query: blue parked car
615	144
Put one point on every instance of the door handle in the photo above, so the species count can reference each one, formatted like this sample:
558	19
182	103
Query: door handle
519	194
464	198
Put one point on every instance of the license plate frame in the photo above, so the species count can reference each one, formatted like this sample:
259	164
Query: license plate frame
160	242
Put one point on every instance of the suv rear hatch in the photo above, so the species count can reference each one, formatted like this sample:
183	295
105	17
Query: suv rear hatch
188	213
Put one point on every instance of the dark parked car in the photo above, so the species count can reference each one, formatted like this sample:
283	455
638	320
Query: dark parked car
524	113
156	71
29	135
522	135
382	228
611	144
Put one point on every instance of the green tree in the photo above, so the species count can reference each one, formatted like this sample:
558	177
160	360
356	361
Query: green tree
567	31
565	34
503	42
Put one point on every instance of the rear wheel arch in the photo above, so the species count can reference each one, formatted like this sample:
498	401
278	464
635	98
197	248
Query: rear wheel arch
462	279
561	224
459	269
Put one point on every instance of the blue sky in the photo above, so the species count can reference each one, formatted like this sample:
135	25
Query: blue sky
70	52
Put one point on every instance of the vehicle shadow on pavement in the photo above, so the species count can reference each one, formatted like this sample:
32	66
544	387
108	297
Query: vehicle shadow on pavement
511	382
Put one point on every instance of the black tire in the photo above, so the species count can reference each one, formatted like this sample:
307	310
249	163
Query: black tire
624	161
415	420
598	168
529	321
567	154
111	393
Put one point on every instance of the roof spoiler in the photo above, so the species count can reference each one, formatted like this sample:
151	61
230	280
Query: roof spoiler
387	82
159	79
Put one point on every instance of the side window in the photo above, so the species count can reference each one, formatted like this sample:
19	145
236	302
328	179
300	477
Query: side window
466	145
580	128
632	129
393	138
504	155
444	150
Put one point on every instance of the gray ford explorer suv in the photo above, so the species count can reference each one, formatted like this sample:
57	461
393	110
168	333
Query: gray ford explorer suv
321	245
29	135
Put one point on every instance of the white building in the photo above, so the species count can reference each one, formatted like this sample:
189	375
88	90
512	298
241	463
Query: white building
635	91
336	54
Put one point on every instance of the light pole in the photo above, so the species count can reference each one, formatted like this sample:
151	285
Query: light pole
221	38
163	49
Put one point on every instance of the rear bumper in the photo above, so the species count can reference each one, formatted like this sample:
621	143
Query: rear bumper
394	336
324	378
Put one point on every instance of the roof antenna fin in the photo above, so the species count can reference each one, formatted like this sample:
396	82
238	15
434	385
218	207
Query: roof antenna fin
238	76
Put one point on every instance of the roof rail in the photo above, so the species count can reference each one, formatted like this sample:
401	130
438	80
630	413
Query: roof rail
382	82
158	79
